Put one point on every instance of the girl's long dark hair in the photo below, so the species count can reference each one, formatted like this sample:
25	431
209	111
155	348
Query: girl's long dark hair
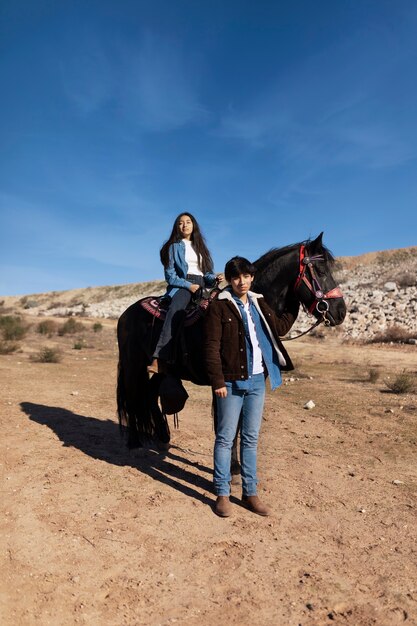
197	240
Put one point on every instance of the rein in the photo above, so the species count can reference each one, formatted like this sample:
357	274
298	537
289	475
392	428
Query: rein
320	302
320	321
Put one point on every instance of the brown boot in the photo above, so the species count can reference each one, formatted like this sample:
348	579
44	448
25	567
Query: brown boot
153	367
255	505
223	508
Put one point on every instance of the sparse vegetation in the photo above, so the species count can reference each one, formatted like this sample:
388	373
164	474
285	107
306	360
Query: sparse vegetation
27	303
31	304
7	347
373	375
97	327
12	327
396	256
47	355
79	344
402	383
56	305
406	279
70	327
47	327
318	333
393	334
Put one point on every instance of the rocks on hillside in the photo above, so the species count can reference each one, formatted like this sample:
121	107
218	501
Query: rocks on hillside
380	290
379	297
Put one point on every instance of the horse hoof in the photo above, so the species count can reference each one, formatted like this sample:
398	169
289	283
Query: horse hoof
163	447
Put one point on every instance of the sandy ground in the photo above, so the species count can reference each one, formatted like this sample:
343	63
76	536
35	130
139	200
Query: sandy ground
94	534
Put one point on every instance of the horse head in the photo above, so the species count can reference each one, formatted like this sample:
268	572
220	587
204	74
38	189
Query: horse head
301	274
315	286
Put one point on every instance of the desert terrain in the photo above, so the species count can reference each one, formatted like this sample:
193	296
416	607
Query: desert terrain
93	534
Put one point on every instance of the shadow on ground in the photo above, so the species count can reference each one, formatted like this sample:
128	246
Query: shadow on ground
102	440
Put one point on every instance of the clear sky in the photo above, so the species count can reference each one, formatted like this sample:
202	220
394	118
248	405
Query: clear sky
270	121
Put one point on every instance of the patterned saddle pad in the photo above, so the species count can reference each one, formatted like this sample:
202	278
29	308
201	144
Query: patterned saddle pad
158	308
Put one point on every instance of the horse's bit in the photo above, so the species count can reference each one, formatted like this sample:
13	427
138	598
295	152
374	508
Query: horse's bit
320	302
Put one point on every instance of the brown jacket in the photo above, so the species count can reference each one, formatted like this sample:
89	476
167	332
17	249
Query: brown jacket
224	338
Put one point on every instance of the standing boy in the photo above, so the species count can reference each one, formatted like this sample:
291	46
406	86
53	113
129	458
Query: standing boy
242	347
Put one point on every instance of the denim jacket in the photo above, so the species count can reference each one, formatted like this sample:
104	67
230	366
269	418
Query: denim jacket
269	354
177	270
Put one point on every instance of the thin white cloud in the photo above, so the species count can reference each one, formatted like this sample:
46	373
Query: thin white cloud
373	146
44	233
328	111
152	85
87	74
159	89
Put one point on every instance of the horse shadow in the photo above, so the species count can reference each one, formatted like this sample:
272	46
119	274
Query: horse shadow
102	440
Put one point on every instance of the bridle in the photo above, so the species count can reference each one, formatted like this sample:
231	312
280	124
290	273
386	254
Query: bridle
320	301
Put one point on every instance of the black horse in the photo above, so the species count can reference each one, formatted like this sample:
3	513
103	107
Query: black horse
299	273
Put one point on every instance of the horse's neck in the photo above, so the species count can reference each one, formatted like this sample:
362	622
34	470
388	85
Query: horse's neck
276	282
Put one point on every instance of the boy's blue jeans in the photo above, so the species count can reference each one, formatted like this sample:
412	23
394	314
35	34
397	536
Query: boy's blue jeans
249	402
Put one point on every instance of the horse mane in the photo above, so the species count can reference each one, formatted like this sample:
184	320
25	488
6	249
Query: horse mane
276	253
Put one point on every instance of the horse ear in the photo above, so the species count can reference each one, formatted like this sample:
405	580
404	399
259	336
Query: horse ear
317	244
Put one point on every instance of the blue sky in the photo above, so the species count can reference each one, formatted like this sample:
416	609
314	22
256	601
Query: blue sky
269	121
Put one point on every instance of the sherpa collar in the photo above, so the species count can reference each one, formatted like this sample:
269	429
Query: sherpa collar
226	294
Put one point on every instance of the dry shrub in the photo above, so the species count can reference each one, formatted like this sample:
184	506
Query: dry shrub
407	279
79	344
12	327
318	333
47	327
393	334
7	347
70	327
402	383
97	327
373	375
47	355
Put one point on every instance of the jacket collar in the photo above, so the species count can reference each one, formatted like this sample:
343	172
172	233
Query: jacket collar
226	294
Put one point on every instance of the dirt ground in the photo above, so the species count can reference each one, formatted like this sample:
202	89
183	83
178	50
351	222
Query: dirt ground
94	534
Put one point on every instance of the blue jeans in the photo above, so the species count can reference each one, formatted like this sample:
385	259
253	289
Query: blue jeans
249	403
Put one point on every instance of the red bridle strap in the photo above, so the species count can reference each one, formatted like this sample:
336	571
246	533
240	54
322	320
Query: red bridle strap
314	286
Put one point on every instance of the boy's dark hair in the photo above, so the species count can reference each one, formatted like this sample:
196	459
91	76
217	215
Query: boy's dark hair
237	266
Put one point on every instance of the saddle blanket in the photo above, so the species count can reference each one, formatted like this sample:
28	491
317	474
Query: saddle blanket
155	306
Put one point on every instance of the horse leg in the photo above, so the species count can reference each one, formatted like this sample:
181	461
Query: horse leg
161	427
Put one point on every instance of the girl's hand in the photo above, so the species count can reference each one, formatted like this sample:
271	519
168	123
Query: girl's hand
219	278
194	288
221	393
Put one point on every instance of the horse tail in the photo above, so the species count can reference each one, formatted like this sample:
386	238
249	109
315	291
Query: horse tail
140	418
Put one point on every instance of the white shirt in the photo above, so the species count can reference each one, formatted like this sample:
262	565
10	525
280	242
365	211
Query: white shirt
258	367
192	259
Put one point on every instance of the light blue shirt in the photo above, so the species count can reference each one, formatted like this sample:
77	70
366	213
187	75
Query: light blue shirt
269	354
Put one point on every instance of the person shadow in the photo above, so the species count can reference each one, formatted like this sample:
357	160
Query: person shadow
102	440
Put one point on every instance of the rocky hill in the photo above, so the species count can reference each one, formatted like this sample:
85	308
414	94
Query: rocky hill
380	289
